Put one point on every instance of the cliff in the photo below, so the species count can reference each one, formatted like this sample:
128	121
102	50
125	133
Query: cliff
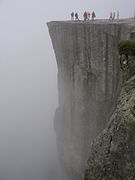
89	83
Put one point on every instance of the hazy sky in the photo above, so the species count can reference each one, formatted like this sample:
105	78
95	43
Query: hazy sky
28	82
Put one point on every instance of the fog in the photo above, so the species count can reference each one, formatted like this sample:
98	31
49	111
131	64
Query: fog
28	83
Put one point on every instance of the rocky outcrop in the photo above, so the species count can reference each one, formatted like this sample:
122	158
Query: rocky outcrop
113	153
89	83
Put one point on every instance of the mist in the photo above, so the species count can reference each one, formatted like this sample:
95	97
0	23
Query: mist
28	83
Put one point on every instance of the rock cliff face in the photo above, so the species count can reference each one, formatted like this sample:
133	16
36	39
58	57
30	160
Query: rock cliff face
113	152
89	83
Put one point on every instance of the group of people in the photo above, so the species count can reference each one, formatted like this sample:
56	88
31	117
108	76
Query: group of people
91	16
114	15
74	16
86	16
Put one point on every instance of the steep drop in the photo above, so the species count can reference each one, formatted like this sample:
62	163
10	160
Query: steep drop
88	85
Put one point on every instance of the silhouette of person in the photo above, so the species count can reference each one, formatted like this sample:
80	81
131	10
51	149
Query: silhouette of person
110	17
113	16
118	15
85	16
76	17
88	15
93	15
72	16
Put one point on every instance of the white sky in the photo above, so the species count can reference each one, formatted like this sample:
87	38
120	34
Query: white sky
28	78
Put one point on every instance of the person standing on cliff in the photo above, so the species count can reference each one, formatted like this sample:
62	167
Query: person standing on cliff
113	16
110	17
118	15
88	15
85	16
93	15
76	17
72	16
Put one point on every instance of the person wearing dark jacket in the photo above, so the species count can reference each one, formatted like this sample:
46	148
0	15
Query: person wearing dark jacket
76	17
93	15
85	16
72	16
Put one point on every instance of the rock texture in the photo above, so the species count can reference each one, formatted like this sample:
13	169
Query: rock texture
89	83
113	152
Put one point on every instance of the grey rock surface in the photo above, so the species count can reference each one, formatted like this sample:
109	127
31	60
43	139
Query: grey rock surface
113	152
89	83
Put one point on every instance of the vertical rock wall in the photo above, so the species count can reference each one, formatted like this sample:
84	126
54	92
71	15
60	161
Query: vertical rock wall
88	86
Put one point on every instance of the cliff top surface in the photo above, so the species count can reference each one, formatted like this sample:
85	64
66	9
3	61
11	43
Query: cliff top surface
129	21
